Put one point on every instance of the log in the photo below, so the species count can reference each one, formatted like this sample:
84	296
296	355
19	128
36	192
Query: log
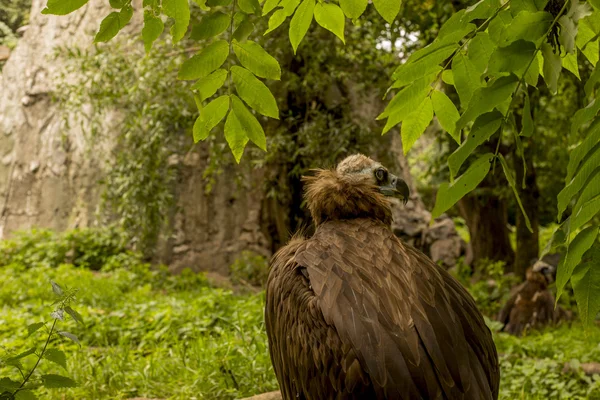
276	395
588	368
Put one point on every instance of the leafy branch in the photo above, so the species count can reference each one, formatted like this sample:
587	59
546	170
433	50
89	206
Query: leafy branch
10	389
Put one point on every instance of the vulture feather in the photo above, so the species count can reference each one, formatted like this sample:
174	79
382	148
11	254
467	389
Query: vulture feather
531	304
354	313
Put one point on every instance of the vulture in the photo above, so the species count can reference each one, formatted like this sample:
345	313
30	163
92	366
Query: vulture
531	304
353	313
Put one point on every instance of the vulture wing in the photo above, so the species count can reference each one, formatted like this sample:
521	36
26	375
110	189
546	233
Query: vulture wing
504	314
415	330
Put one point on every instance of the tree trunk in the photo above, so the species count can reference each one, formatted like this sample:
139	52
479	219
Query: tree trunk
485	213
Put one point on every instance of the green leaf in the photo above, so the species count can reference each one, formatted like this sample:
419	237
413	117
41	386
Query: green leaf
53	381
63	7
483	128
592	82
455	28
487	98
584	115
289	6
353	8
577	155
209	85
466	78
586	286
249	123
56	356
516	6
243	31
482	9
448	77
209	117
588	210
592	161
179	10
56	288
528	26
582	243
205	62
269	5
590	190
527	121
407	99
513	185
388	9
116	3
256	59
214	3
513	58
568	32
25	394
276	20
416	68
70	336
250	7
236	136
21	355
8	384
301	22
211	25
112	24
481	48
153	28
552	67
584	42
415	124
399	112
254	92
331	17
446	113
449	194
75	315
499	27
32	328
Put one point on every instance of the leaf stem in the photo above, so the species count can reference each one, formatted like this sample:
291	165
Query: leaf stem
231	25
39	358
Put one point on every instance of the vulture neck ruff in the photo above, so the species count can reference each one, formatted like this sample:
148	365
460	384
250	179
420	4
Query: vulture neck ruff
334	196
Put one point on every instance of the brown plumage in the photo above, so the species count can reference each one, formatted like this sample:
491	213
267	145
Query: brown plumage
353	313
531	304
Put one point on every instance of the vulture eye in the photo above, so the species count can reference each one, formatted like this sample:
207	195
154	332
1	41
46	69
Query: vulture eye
381	174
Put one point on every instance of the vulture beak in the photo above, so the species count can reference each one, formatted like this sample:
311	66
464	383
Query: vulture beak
396	187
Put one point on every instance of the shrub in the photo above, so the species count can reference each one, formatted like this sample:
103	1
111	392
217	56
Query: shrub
91	248
250	268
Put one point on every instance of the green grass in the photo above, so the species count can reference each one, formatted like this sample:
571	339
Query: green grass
150	334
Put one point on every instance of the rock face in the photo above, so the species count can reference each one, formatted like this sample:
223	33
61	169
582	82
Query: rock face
45	177
49	178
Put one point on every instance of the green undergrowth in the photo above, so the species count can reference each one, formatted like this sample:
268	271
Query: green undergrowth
151	334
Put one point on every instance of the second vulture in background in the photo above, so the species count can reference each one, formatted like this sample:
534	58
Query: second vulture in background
354	313
531	304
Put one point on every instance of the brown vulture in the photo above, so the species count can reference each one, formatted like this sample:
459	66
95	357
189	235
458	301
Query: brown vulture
531	304
354	313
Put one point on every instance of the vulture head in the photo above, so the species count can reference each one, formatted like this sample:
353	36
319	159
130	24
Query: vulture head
357	188
541	273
